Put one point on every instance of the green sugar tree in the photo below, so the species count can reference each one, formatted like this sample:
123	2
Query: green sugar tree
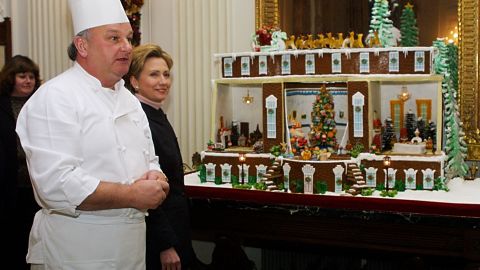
408	27
455	145
381	23
452	56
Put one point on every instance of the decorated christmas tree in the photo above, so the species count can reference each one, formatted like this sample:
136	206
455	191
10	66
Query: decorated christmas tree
132	9
387	135
410	124
323	128
381	23
408	27
455	146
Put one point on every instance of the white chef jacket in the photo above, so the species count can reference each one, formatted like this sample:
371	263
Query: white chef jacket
75	133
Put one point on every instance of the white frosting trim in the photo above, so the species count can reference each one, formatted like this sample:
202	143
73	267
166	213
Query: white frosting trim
464	192
321	51
227	154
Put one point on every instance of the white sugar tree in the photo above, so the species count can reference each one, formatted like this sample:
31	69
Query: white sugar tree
381	23
455	146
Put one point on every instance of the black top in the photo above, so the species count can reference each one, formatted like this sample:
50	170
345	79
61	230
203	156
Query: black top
8	155
17	200
169	224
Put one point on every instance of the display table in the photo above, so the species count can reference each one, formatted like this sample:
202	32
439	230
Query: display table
425	228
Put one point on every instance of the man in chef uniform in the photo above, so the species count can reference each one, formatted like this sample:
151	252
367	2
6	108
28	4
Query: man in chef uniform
89	152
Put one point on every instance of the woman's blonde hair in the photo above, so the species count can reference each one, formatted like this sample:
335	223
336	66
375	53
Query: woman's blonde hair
140	55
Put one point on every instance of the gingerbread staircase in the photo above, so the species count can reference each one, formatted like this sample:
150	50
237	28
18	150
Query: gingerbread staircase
273	177
355	179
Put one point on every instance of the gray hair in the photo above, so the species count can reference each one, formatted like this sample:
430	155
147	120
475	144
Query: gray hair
72	50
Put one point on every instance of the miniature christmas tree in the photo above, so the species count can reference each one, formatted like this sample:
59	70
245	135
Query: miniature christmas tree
410	124
323	130
133	9
381	24
256	135
387	135
408	27
455	146
235	135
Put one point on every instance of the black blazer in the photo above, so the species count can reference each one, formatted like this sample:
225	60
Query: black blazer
169	224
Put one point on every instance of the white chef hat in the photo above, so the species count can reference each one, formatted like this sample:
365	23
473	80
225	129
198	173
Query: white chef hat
92	13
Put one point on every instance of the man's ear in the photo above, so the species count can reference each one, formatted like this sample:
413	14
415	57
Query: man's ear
82	46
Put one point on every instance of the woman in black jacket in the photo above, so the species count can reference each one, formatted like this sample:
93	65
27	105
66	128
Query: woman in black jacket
169	242
19	79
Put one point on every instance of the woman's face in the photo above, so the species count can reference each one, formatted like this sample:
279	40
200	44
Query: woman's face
24	84
154	81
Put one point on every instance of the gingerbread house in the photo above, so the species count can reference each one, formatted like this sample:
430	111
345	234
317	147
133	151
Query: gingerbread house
323	113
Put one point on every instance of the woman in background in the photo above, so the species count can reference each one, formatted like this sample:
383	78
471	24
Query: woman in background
169	244
19	78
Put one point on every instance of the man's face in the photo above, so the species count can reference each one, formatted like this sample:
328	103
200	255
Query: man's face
109	52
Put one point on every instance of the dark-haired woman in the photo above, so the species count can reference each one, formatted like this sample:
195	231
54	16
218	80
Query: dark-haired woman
19	78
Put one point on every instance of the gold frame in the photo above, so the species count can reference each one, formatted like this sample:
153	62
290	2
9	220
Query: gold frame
428	103
401	104
267	13
469	73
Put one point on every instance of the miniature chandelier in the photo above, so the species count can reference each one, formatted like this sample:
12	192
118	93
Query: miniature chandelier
247	99
404	94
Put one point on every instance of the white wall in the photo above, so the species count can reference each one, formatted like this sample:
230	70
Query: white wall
243	24
5	8
18	13
158	23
